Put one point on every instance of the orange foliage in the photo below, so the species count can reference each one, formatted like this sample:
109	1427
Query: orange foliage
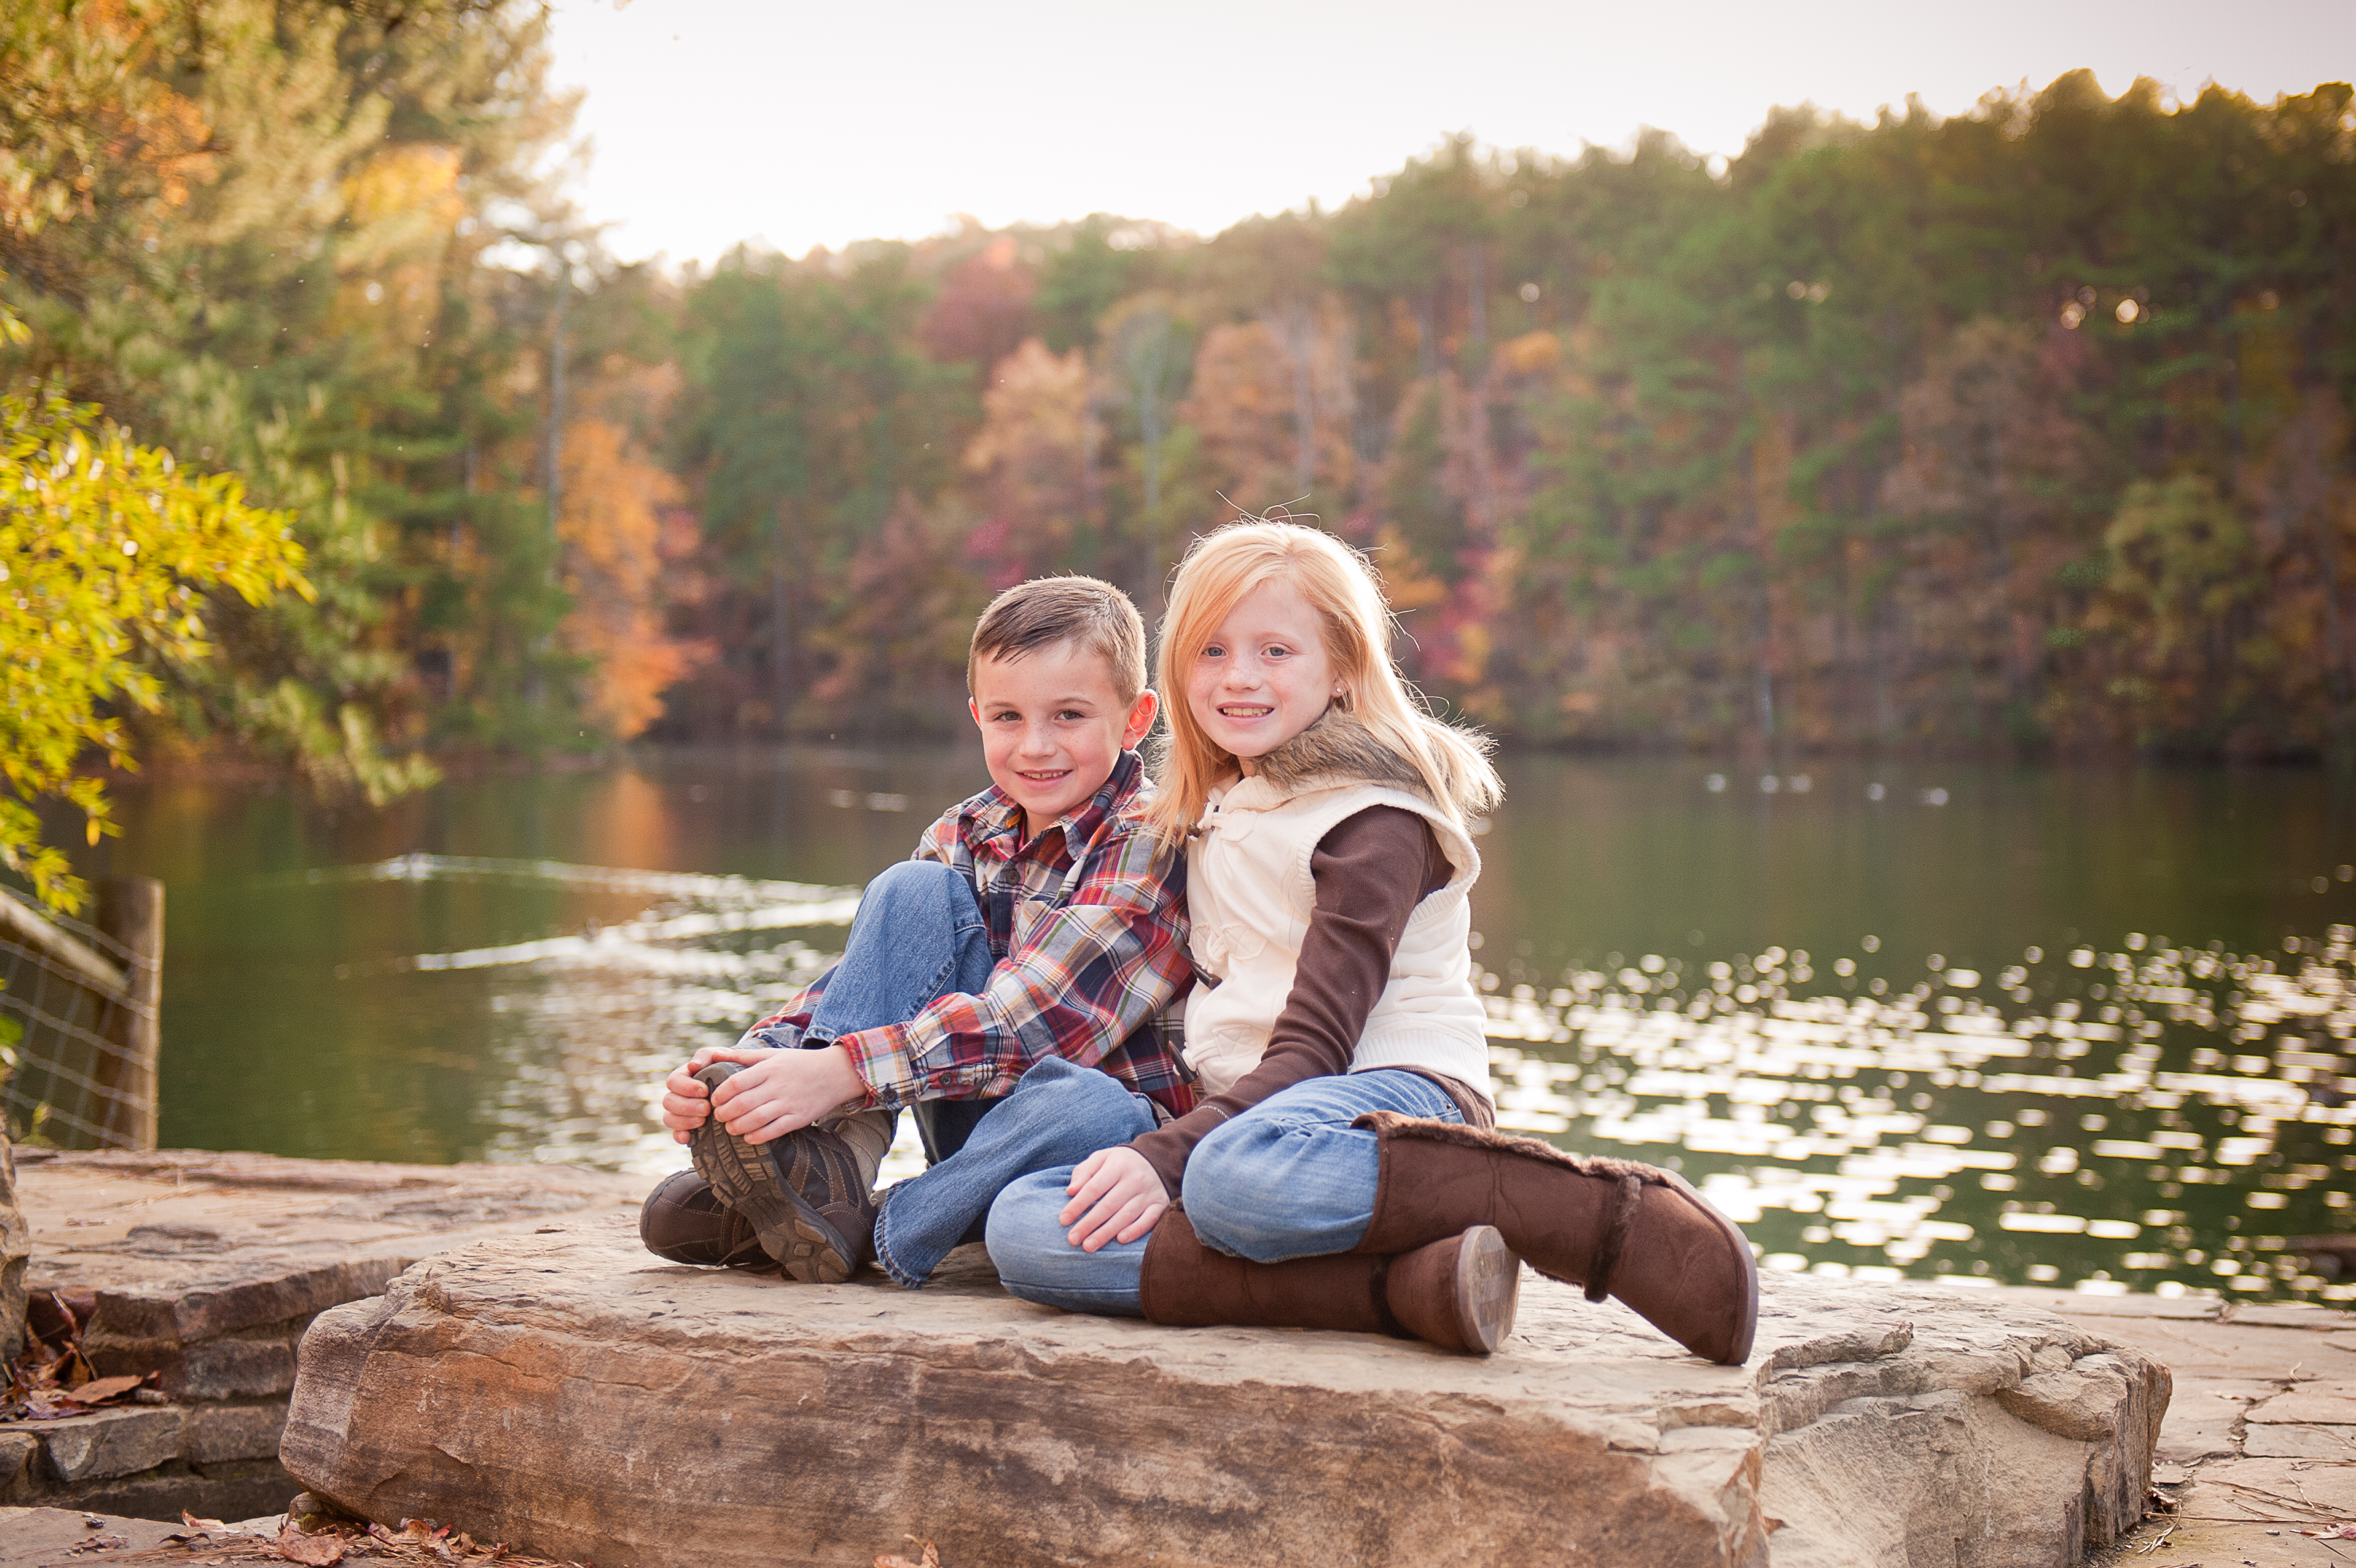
611	524
89	123
1272	400
1030	459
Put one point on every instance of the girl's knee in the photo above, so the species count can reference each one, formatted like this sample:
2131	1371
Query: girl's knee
1024	1213
1232	1202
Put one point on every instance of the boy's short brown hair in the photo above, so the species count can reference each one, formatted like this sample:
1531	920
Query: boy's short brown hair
1048	611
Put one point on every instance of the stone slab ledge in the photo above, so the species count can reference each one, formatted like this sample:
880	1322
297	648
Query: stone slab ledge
564	1391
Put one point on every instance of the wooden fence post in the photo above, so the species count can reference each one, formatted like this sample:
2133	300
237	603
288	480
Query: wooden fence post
131	911
15	1250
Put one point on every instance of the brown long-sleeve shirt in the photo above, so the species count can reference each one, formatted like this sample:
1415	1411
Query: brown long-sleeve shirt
1371	870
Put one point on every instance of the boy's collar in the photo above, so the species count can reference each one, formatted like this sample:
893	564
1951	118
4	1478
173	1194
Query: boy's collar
997	812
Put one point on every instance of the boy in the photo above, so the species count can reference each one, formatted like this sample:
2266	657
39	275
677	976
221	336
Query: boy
1035	936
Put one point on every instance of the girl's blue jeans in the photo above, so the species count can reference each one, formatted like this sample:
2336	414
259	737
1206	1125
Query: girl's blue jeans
1288	1178
919	935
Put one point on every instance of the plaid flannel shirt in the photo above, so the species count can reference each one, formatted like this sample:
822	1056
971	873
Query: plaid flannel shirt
1087	923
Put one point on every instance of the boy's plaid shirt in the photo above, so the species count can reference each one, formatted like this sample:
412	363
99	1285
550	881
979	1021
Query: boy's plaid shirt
1087	922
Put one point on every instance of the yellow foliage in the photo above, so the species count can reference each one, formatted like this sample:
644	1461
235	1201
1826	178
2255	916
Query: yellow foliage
1406	584
105	551
1532	353
419	178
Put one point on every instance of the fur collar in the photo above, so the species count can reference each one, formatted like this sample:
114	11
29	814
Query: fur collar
1338	749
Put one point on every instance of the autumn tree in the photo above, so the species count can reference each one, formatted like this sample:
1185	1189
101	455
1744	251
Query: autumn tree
108	552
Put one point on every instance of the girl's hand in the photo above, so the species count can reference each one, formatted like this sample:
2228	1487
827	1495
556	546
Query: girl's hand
1116	1196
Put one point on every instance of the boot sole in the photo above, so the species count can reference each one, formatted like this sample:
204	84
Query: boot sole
1746	1327
1488	1289
740	1172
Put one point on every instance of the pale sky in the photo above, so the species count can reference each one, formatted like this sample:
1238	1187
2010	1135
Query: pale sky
802	124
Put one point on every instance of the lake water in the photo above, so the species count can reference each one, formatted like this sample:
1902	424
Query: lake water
2024	1025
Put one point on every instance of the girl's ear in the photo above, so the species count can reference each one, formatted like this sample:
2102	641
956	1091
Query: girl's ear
1140	718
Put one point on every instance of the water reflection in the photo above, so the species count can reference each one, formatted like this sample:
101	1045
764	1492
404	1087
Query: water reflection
2156	1118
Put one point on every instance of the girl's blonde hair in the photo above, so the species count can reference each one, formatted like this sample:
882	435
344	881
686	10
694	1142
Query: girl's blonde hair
1340	584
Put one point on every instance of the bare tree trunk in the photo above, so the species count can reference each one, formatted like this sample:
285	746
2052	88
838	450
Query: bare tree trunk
1476	302
1296	333
781	633
1476	393
556	410
1091	476
1763	615
2334	642
536	685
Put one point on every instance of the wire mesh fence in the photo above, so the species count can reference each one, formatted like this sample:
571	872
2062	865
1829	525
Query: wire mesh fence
79	1020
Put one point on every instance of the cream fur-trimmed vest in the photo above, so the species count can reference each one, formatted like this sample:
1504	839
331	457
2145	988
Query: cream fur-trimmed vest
1249	895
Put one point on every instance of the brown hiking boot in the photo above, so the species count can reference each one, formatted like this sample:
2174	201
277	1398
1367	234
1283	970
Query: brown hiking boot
1459	1294
802	1193
684	1221
1613	1226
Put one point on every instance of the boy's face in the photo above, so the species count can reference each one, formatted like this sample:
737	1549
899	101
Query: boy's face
1051	727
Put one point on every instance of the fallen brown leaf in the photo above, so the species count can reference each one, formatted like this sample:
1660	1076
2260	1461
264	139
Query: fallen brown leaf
98	1389
313	1551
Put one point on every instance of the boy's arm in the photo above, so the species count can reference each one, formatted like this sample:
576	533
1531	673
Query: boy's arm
1089	975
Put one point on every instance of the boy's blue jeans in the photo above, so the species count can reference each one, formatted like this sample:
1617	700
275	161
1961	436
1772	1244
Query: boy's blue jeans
1288	1178
919	935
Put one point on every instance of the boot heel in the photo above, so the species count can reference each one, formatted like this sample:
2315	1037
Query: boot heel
1458	1292
1488	1289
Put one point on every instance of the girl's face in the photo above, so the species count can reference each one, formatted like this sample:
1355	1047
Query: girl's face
1264	676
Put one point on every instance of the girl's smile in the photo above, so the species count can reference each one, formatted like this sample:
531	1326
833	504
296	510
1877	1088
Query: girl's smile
1264	676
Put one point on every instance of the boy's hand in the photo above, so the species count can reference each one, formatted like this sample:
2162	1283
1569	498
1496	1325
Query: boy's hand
686	1104
778	1091
1116	1196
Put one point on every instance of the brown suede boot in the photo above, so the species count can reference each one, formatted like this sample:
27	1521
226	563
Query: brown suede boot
1458	1292
1613	1226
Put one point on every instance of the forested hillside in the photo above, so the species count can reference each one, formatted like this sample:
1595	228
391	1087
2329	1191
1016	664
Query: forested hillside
2022	430
2027	429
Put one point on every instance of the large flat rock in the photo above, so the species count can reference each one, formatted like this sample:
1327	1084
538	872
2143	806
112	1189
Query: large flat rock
568	1393
173	1219
206	1269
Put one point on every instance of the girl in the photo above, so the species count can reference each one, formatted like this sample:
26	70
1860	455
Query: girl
1341	1171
